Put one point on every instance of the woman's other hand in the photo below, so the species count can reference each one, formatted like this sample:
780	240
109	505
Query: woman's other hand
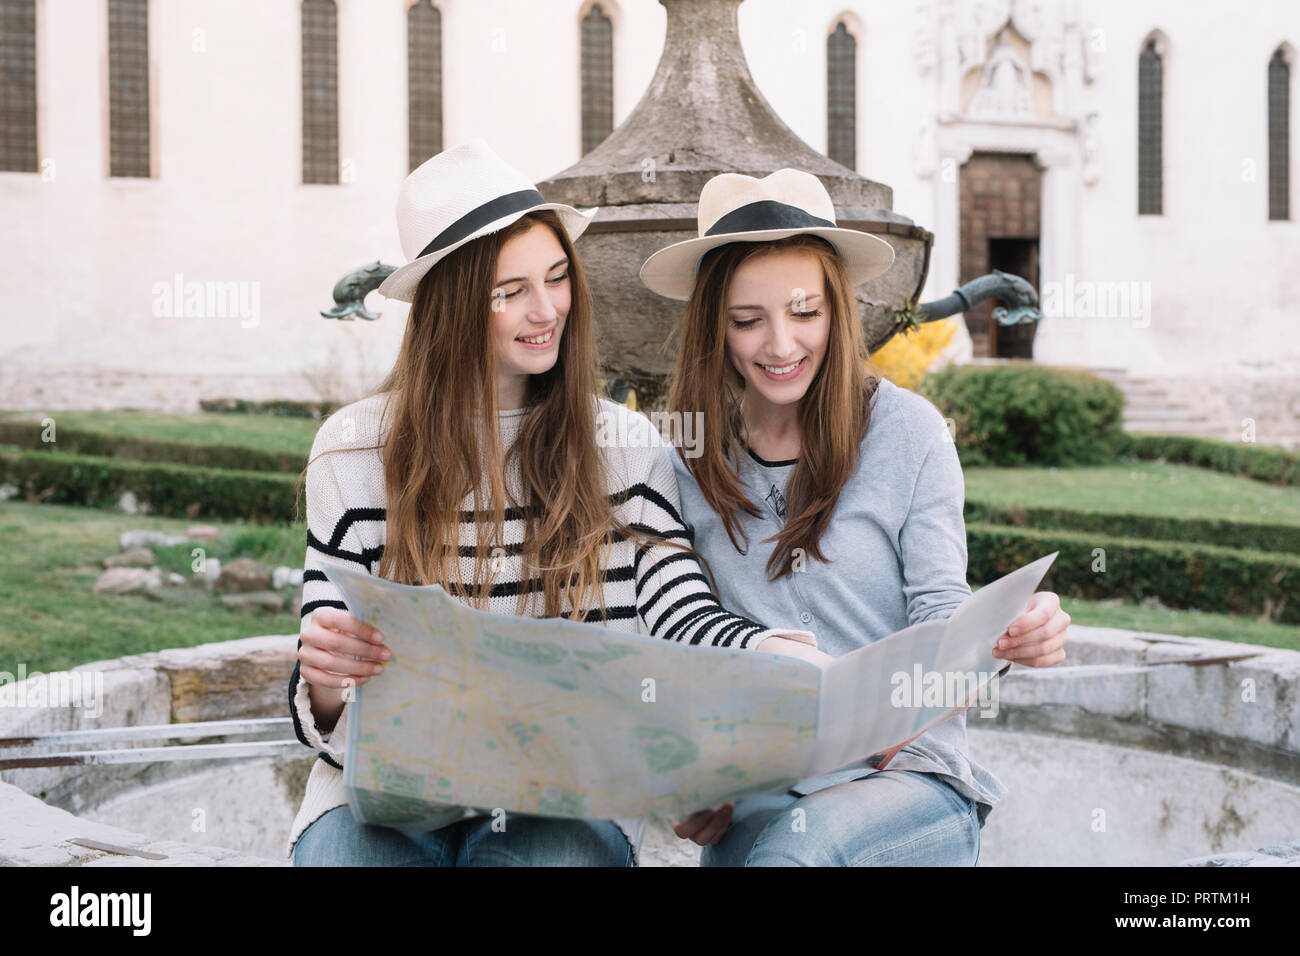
1038	637
338	650
791	648
707	826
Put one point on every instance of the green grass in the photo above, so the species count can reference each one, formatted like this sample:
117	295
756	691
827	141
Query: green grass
273	433
1140	487
50	555
1222	627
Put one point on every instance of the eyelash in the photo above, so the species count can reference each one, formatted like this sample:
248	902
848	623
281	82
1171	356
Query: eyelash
560	278
798	315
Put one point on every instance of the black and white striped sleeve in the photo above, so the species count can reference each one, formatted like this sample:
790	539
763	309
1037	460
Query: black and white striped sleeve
333	532
673	594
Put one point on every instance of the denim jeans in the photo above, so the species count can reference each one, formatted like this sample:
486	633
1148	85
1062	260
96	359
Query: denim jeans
890	818
336	839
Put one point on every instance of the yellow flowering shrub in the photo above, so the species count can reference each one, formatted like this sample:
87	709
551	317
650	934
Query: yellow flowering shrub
904	358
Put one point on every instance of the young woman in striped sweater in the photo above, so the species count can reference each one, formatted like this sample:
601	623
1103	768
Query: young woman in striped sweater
476	465
826	498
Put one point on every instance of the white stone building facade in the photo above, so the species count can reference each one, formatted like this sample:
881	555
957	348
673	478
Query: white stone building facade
1203	294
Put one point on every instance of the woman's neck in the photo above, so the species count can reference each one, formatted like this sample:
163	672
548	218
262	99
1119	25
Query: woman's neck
772	431
512	392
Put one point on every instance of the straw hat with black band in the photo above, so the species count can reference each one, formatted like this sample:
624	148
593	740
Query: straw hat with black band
734	207
457	196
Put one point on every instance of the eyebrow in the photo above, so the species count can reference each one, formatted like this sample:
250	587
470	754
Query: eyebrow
737	308
554	265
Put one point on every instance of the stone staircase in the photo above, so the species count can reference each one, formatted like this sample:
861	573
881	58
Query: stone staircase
1149	408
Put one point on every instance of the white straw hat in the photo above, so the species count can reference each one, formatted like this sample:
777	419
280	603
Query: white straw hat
734	207
457	196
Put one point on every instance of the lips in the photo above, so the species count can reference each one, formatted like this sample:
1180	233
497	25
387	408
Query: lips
781	369
784	372
541	338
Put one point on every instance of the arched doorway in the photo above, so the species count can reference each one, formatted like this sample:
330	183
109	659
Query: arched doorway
1001	214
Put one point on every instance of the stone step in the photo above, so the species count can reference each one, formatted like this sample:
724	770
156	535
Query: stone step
1196	430
1171	413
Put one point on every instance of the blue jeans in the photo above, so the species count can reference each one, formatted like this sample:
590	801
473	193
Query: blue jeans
335	839
890	818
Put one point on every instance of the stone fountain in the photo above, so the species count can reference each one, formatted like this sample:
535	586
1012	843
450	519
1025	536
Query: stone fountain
702	115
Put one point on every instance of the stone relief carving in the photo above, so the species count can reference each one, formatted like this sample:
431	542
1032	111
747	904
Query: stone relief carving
951	39
1005	89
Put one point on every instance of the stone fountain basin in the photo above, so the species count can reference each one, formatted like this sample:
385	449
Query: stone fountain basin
1122	767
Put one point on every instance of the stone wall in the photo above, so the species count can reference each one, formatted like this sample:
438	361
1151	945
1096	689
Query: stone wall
1196	772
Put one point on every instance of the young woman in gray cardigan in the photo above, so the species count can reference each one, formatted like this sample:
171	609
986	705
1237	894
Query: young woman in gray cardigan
825	498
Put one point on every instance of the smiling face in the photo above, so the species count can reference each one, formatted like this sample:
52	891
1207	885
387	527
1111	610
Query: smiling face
530	302
778	325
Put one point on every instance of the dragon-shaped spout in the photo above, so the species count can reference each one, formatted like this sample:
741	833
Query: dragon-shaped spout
350	292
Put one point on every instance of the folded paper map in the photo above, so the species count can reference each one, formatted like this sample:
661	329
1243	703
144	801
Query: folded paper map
570	719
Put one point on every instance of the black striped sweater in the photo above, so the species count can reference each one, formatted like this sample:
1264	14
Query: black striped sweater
658	589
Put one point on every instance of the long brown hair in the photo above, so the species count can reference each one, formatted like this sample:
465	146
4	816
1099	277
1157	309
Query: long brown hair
833	415
441	447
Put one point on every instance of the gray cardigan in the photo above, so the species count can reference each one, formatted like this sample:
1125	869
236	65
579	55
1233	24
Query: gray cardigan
897	547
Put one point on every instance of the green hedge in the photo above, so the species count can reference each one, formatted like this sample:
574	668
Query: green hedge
1022	413
173	491
284	407
1263	463
76	441
1203	577
1229	534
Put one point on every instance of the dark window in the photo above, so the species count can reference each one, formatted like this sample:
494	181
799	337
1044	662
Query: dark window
597	78
424	81
841	97
320	92
128	88
18	86
1279	138
1150	132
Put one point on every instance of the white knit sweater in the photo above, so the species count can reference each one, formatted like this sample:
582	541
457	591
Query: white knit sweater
660	591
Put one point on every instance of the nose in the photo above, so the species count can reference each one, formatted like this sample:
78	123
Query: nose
543	309
780	342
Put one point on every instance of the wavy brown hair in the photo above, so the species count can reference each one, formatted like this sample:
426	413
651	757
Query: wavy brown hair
442	449
833	415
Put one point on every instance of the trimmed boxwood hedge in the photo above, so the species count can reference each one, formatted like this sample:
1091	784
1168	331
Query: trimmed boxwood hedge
1263	463
77	441
1203	577
1222	532
283	407
173	491
1021	413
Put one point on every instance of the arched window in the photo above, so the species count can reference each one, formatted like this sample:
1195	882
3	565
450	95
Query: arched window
597	78
128	88
1150	131
1279	137
320	92
423	81
18	86
841	97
